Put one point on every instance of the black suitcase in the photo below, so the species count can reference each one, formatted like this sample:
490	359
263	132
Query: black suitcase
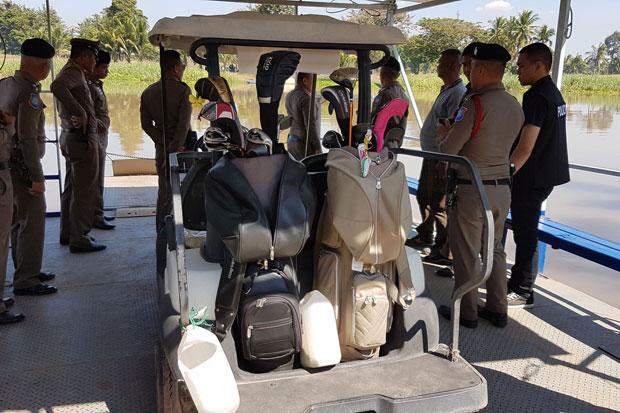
269	321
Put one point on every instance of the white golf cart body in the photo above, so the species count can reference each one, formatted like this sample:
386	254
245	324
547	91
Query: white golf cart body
414	372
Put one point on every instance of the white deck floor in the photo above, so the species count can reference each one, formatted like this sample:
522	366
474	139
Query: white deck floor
91	347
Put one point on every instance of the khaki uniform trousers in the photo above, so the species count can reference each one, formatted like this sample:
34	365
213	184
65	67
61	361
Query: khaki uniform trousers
6	214
103	146
431	197
164	193
77	201
465	234
27	234
297	148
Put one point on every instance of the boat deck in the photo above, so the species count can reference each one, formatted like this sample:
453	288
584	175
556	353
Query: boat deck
91	347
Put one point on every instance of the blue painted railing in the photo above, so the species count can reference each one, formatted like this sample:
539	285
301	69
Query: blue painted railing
560	236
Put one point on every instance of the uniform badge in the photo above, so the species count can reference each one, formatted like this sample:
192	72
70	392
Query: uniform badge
460	114
35	101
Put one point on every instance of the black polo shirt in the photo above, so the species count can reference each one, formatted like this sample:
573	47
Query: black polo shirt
547	165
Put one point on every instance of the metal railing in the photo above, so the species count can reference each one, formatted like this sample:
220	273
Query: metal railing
487	237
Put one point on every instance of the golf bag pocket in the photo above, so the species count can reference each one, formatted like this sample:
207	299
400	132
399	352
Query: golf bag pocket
269	322
327	278
370	311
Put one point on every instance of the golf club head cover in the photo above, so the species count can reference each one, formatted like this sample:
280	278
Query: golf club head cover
339	102
272	71
214	89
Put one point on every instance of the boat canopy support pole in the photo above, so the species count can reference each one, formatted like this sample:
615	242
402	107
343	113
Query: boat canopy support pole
55	141
563	33
394	52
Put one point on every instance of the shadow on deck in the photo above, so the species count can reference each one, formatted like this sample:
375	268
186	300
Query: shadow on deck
90	348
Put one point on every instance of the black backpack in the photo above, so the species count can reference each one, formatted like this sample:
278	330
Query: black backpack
269	323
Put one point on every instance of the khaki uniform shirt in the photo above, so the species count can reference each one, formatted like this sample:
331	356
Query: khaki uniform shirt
72	91
501	119
385	95
298	107
178	113
100	103
19	95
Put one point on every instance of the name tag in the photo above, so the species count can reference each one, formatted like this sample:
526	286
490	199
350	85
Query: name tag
561	111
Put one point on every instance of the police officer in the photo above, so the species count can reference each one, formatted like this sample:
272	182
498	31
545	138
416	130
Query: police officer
95	83
7	130
390	89
178	115
484	131
303	123
19	95
443	257
79	143
541	162
431	195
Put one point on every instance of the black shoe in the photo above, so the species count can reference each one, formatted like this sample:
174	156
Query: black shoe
437	258
418	242
10	318
92	247
107	218
516	300
445	272
104	225
46	276
445	312
39	289
8	302
66	241
497	319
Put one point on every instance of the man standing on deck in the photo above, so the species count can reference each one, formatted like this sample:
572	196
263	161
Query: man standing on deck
178	115
431	193
484	131
541	162
95	83
298	107
19	95
443	255
79	143
390	89
7	130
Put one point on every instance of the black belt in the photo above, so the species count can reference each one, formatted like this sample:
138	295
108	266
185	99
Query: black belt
4	165
495	182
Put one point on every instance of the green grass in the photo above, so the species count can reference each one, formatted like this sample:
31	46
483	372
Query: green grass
131	78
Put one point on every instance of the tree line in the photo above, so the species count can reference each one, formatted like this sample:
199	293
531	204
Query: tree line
122	30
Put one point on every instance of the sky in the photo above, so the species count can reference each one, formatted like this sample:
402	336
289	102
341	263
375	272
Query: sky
593	19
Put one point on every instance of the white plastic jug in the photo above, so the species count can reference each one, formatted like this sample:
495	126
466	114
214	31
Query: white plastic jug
319	335
206	372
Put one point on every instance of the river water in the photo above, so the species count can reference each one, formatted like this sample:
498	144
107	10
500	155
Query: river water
589	202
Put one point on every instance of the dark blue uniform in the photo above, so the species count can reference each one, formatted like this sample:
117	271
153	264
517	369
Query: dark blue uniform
546	167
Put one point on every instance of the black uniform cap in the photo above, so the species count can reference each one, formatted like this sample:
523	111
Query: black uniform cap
392	63
469	49
37	48
86	44
491	51
103	57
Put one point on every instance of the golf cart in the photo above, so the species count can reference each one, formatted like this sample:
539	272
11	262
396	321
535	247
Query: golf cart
412	370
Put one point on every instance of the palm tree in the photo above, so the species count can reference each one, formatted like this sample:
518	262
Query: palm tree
498	33
545	35
523	29
597	57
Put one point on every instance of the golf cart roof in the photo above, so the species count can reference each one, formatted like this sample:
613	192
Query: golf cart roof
246	26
